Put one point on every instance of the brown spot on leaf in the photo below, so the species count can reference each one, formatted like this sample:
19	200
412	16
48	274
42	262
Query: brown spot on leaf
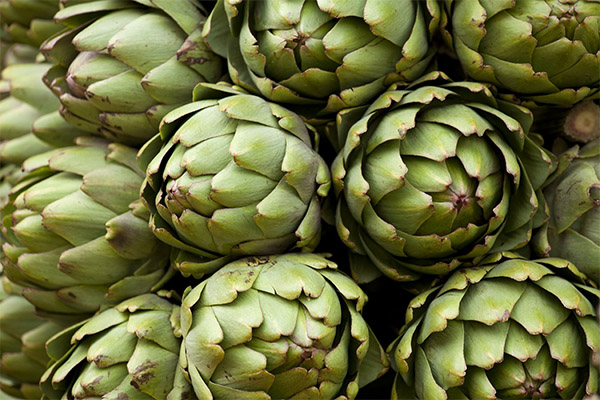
143	374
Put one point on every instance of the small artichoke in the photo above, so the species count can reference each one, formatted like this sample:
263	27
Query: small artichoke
545	52
321	53
573	196
507	329
77	234
23	335
236	176
122	65
126	352
434	176
278	327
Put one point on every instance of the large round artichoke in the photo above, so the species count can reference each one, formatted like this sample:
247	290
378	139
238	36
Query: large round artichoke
573	195
431	177
23	336
122	65
127	352
547	51
278	327
237	176
507	329
77	234
323	53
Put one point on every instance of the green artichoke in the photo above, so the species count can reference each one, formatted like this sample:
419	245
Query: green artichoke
434	176
278	327
15	53
545	52
236	176
324	54
127	352
23	335
77	234
123	64
573	196
30	123
28	100
29	21
507	329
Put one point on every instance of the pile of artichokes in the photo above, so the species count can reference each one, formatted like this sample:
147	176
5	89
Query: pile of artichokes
308	199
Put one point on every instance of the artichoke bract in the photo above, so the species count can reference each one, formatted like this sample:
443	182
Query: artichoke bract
122	65
573	196
545	52
126	352
23	335
278	327
236	176
321	53
77	234
29	21
436	175
507	329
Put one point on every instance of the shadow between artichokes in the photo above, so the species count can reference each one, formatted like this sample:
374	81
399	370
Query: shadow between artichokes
232	175
325	55
541	52
126	352
123	64
509	328
77	234
436	175
278	327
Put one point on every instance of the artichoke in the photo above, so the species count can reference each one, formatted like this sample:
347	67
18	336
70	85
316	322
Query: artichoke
77	234
326	55
434	176
545	52
28	100
122	65
29	21
126	352
573	196
23	335
278	327
236	176
507	329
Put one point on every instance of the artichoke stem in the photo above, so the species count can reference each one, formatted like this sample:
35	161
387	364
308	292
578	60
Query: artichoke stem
583	122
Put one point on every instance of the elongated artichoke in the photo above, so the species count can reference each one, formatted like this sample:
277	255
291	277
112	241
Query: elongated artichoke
77	234
30	123
123	64
236	176
126	352
322	53
29	21
573	196
434	176
28	100
507	329
546	51
278	327
23	335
